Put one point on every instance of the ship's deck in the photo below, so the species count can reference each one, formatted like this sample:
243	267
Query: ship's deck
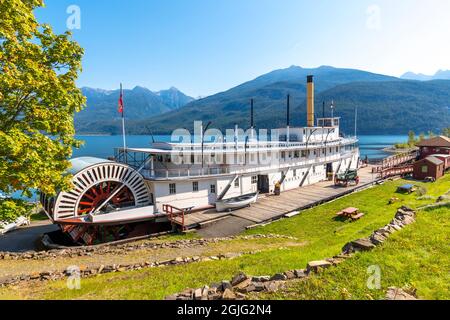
274	207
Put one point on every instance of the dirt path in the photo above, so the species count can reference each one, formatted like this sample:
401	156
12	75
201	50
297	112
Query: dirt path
20	267
226	227
24	238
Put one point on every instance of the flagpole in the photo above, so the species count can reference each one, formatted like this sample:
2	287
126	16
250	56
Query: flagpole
123	124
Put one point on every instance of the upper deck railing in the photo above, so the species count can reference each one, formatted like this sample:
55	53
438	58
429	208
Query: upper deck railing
213	170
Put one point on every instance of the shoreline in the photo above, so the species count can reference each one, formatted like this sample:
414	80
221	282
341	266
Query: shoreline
392	149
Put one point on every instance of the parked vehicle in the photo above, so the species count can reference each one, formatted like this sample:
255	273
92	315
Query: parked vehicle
343	179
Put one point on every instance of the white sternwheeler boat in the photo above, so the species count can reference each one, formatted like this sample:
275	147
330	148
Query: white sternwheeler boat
151	183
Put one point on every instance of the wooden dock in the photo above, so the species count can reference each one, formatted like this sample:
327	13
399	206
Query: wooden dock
272	207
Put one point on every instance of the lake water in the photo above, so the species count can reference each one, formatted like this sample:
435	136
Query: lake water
103	146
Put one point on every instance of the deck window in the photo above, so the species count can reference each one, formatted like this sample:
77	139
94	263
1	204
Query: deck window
213	188
195	186
236	183
172	188
295	172
254	179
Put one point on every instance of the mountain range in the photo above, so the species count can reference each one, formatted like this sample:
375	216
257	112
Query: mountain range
440	75
386	105
101	115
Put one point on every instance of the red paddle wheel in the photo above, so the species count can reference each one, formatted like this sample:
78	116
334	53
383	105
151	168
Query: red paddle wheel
99	193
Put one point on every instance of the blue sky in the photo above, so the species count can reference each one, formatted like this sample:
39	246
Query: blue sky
206	46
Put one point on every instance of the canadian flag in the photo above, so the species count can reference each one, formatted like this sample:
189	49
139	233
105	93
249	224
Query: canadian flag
121	100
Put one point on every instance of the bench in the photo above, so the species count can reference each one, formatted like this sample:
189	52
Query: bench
357	217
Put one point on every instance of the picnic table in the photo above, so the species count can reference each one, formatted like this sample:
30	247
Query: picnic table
351	213
409	188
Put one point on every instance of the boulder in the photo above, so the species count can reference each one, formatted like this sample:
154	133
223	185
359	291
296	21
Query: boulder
240	277
300	273
289	275
226	285
408	220
278	277
259	286
205	293
377	238
271	286
316	266
198	293
250	288
177	260
228	295
242	285
363	244
240	296
394	293
261	279
335	261
216	285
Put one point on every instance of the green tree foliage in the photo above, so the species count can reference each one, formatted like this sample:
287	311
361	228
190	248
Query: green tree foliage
446	132
10	209
411	138
38	99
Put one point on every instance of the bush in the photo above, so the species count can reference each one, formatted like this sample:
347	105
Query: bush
421	191
11	209
425	198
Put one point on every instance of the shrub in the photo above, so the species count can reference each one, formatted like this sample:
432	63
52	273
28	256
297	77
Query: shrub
421	191
11	209
425	198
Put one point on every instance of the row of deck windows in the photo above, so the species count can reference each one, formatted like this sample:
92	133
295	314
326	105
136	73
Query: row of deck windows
173	187
291	154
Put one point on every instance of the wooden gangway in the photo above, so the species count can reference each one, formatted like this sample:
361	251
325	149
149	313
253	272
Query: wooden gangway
393	161
397	171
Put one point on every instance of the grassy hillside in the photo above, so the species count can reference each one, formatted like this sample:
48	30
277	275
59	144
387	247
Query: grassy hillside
419	255
418	258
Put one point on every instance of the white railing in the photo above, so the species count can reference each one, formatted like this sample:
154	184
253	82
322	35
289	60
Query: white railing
260	145
242	169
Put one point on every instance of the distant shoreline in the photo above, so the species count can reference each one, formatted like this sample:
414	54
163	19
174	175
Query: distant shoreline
94	135
392	149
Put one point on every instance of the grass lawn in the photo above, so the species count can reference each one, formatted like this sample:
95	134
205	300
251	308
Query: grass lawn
317	229
40	216
418	258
